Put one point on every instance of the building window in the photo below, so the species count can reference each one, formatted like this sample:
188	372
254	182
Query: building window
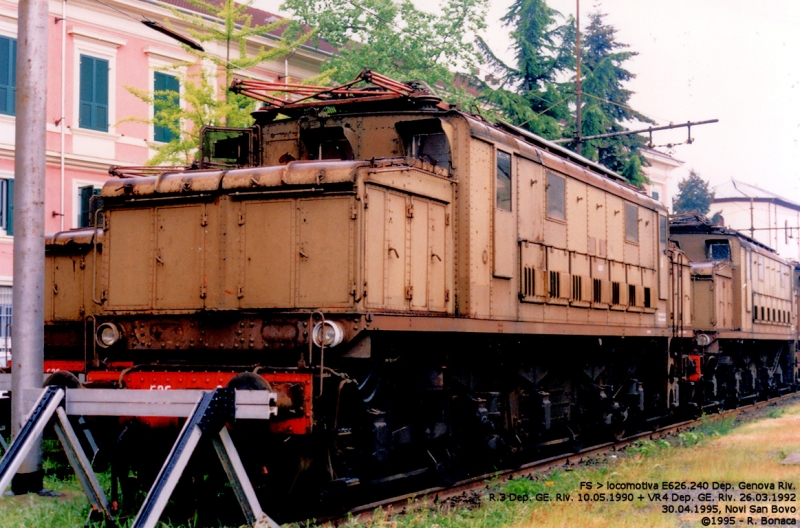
631	223
556	197
7	205
8	75
84	204
503	178
5	325
93	94
166	94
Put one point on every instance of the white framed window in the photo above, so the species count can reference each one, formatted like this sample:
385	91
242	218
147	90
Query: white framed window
82	192
167	71
94	85
6	203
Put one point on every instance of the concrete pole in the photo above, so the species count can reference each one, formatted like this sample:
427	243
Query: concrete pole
27	332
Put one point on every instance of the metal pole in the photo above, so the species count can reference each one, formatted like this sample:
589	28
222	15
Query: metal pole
29	167
578	123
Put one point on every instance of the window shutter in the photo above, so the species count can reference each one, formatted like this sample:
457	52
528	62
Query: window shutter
84	214
8	75
86	91
93	94
101	94
161	83
10	208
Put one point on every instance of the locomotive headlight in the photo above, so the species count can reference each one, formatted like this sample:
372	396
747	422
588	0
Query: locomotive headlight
328	333
107	334
703	340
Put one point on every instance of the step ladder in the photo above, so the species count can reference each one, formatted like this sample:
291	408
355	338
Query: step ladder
208	416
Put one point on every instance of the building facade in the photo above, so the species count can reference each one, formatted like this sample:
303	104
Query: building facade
96	52
760	214
659	172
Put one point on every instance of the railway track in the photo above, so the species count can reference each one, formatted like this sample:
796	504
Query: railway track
475	485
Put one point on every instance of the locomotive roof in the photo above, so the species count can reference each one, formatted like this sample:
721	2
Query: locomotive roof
293	174
692	223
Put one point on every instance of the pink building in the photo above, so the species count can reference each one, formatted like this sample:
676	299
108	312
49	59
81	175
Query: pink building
96	50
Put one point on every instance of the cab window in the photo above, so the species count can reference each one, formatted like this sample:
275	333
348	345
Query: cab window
503	181
631	223
556	197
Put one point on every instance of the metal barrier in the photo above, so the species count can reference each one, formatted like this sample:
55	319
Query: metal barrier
207	413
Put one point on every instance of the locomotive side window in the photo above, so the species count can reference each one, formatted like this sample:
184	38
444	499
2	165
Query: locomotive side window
556	197
432	148
719	250
631	223
425	140
223	147
327	143
662	233
503	181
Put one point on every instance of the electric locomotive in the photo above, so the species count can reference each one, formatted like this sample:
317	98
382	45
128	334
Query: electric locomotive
428	293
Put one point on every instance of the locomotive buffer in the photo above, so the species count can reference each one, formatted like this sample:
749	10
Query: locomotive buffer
207	413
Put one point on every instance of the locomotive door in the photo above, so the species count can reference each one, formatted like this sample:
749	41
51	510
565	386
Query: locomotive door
129	259
179	257
268	257
325	252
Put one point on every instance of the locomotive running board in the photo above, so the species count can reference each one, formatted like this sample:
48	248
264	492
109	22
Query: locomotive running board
209	416
50	402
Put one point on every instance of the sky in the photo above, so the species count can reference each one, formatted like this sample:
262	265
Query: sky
732	60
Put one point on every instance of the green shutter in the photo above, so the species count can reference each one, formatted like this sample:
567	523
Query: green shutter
10	208
8	74
93	94
164	83
84	213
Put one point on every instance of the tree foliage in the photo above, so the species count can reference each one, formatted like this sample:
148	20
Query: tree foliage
394	38
205	81
529	95
539	93
606	101
693	196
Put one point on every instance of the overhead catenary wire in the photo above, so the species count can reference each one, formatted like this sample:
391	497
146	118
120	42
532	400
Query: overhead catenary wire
156	26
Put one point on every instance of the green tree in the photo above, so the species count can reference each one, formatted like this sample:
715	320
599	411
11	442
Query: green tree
529	95
693	196
606	101
231	26
393	37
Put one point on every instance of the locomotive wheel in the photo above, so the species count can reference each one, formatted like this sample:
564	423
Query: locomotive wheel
63	378
248	381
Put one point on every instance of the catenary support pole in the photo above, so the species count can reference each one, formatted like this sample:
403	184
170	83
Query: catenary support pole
27	334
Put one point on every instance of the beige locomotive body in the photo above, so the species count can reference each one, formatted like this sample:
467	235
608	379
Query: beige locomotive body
745	318
415	245
424	291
